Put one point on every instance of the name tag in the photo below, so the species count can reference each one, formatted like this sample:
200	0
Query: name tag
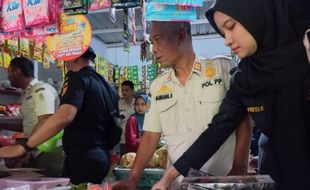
163	97
208	83
255	109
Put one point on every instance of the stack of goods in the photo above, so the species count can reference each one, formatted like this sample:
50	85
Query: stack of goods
9	110
123	4
143	83
98	4
72	7
29	19
159	159
168	10
30	48
152	174
152	71
102	66
133	76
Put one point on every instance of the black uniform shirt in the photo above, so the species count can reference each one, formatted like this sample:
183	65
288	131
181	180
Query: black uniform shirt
82	90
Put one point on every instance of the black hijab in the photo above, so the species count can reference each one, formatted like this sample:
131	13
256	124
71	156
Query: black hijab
278	27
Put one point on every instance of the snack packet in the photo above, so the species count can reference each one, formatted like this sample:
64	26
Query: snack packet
12	14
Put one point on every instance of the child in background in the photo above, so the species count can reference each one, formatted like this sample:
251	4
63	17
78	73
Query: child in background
134	126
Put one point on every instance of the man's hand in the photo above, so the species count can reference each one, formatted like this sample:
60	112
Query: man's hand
161	185
147	147
128	183
12	151
164	183
254	163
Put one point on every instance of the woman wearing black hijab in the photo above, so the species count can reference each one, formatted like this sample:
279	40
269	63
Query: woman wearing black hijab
272	84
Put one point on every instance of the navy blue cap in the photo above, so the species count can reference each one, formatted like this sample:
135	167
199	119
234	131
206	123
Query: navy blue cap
89	54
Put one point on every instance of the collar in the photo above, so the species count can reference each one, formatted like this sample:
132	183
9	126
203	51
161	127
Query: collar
31	84
131	104
196	69
88	67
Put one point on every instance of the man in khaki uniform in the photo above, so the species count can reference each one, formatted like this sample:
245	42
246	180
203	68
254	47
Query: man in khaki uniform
39	101
126	107
184	100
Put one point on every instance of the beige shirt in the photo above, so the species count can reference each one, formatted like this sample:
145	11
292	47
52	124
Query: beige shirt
182	113
39	99
125	110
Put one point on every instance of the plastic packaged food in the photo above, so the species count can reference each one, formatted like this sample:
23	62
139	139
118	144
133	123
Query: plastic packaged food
167	12
99	4
194	3
36	12
12	14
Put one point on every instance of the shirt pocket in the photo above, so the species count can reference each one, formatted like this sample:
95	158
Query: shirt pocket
29	104
209	102
168	115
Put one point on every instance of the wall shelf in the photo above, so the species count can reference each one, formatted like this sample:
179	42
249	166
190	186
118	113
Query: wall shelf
14	92
11	119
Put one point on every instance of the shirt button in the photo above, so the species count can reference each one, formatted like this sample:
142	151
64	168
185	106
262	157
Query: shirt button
187	109
189	129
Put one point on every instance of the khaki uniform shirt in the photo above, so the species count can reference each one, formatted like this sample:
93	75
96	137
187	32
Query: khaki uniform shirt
125	111
182	113
39	99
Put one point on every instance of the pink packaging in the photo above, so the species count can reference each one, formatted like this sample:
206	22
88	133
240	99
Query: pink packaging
12	14
99	4
36	12
34	183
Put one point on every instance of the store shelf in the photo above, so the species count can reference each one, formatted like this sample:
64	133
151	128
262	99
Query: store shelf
11	120
11	92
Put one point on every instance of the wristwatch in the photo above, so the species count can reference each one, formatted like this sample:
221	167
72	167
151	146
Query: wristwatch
24	144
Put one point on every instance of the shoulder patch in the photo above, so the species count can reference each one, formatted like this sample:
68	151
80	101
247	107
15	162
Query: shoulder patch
164	89
210	71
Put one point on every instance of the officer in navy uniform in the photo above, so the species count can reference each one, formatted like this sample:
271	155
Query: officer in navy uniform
83	113
83	141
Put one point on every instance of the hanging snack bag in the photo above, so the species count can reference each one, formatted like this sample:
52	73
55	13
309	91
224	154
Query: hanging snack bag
36	12
166	12
123	4
13	44
46	60
72	4
1	6
53	27
24	47
12	14
7	59
99	4
193	3
38	51
110	75
74	7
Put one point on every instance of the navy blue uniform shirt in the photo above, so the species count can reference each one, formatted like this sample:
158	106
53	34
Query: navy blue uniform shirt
84	91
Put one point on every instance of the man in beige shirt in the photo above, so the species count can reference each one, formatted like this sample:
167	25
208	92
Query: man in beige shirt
184	100
126	108
38	102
